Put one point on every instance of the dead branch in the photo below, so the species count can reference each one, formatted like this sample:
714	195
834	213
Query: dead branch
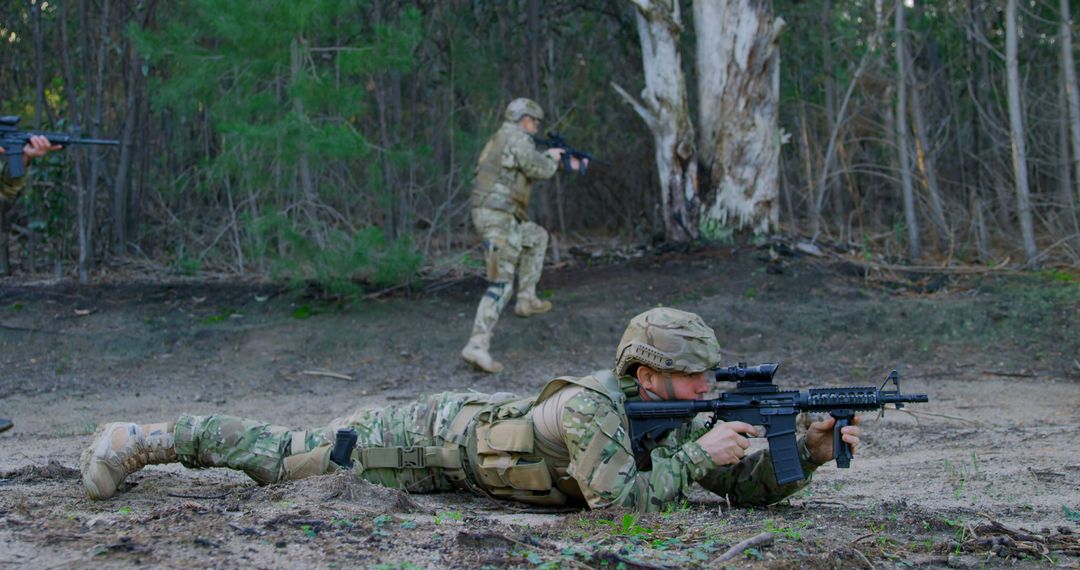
762	539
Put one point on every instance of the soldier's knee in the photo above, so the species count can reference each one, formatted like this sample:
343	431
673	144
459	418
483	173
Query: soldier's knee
499	292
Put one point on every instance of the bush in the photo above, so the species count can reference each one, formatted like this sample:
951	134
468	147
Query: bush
343	267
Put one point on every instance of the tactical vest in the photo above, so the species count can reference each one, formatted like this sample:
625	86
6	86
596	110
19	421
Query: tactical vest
495	187
490	448
507	462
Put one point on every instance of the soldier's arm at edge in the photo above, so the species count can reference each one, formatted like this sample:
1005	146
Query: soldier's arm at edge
602	462
752	481
533	163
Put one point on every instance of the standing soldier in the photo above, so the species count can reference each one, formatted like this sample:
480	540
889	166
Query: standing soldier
9	191
513	245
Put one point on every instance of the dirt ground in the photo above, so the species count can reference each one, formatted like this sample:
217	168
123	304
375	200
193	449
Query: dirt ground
986	474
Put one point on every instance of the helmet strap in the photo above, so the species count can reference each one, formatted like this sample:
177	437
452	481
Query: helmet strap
669	385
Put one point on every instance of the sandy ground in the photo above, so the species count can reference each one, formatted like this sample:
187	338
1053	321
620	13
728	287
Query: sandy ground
986	474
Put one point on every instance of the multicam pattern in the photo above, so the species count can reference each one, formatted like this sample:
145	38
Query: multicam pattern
668	340
516	247
597	454
9	187
259	449
607	472
504	175
506	169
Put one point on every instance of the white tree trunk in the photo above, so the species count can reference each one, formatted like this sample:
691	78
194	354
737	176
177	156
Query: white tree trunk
1019	147
665	109
1072	95
738	83
902	137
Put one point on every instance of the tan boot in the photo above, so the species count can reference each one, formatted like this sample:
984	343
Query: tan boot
529	305
120	449
476	353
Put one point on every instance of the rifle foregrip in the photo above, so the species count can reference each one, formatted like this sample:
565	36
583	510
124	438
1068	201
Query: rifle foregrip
841	449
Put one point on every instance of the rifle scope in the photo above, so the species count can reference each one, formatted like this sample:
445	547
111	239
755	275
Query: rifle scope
743	373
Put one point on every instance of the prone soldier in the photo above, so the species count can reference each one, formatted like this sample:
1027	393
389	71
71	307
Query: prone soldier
568	445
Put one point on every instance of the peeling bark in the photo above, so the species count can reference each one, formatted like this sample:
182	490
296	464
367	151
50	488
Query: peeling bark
664	108
738	85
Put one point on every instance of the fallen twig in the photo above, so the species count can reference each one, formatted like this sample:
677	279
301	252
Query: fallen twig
936	415
869	564
328	374
200	497
762	539
1009	374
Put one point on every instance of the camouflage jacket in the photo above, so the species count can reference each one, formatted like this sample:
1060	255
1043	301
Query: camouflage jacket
506	170
614	476
9	187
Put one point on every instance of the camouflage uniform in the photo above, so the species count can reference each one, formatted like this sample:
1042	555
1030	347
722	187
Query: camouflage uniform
568	445
513	245
594	467
9	187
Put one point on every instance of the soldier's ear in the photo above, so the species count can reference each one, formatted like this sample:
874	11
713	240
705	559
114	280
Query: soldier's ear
647	377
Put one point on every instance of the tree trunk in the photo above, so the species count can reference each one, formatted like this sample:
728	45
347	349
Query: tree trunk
543	202
1019	146
832	185
1072	99
738	61
121	186
303	160
914	245
665	110
978	190
926	162
74	117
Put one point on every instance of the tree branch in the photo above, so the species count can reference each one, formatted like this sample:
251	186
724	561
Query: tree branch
647	115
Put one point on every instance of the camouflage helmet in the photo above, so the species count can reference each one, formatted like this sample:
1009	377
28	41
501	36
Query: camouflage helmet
668	340
521	107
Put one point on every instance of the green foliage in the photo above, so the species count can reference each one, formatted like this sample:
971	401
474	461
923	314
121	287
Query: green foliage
792	532
1071	515
341	265
713	231
627	526
442	517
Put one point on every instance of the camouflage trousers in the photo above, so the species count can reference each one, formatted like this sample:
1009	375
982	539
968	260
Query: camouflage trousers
511	247
270	454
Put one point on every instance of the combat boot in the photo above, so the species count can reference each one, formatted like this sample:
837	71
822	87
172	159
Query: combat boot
530	305
120	449
476	353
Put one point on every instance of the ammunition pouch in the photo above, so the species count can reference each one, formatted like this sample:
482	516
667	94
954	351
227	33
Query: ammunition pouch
492	250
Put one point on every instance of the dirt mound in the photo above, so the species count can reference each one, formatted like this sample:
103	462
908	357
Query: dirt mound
53	471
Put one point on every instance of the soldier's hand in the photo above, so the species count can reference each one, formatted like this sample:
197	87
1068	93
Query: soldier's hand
819	438
555	153
726	442
38	146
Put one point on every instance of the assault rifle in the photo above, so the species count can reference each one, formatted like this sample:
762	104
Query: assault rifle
13	140
757	401
555	140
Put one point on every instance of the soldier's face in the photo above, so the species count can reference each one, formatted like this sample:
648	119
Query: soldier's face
530	125
683	386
